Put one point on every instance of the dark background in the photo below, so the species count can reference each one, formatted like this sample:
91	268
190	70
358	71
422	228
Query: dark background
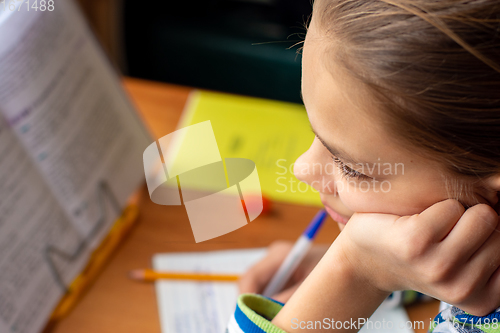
236	46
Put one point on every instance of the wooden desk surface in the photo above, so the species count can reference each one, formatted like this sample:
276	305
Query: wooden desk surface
114	303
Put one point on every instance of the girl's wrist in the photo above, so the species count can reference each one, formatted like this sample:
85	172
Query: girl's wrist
335	289
365	264
354	272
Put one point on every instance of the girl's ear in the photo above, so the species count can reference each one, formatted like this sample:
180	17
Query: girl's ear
492	185
493	182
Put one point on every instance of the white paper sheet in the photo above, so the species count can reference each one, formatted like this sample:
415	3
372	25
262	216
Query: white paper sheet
205	307
202	307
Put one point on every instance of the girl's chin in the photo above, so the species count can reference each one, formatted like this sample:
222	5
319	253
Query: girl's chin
341	226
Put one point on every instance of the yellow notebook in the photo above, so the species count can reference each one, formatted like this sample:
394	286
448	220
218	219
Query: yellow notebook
273	134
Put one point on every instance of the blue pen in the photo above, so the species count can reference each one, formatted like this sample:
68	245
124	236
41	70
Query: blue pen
295	256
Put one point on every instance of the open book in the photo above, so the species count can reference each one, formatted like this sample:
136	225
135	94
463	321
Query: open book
70	156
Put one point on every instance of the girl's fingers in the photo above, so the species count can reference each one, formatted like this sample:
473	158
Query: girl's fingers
486	260
439	219
285	295
257	277
477	282
470	233
485	300
493	291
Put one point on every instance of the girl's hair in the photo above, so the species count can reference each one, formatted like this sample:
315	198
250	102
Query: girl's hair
434	68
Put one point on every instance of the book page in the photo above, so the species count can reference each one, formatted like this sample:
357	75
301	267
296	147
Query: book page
33	227
67	107
70	157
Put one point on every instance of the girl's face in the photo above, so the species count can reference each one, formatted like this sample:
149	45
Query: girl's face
355	163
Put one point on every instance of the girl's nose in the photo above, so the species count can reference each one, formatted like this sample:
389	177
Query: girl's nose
314	167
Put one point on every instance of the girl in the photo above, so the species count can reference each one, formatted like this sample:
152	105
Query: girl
404	99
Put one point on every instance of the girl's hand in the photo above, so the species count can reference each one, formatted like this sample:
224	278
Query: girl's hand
447	252
259	275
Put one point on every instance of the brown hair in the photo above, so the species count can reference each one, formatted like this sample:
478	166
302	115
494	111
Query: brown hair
434	68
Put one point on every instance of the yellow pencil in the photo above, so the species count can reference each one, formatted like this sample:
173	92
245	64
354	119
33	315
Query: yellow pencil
151	275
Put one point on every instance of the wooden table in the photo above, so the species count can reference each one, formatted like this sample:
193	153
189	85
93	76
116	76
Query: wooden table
115	303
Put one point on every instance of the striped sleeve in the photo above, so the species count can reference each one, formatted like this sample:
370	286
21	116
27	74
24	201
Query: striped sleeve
253	314
455	320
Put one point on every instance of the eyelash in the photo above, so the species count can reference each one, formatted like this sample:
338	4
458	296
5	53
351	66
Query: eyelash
347	172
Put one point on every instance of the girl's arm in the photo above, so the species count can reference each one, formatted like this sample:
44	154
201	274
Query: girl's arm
334	295
446	251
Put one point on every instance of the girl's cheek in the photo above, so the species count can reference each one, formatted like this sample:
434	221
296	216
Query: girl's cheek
385	203
355	200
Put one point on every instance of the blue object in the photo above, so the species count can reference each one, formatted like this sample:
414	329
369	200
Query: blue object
315	224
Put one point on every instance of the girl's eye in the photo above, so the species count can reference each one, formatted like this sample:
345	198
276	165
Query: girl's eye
347	171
